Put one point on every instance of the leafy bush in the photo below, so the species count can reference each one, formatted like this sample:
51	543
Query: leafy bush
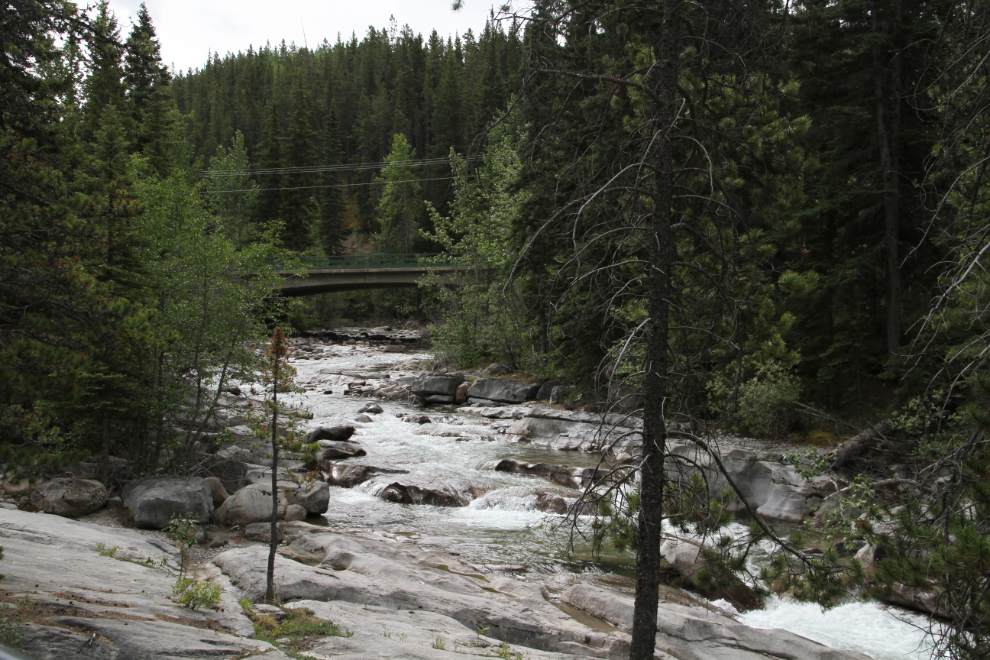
189	593
760	406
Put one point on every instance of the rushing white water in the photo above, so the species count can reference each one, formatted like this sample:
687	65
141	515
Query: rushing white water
868	627
503	529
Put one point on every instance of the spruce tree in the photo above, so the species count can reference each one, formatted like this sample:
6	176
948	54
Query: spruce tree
331	226
300	210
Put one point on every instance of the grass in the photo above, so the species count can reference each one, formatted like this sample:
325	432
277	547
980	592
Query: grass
299	631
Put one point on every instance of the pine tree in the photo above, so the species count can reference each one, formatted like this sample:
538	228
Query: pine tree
331	225
401	206
268	210
300	211
149	95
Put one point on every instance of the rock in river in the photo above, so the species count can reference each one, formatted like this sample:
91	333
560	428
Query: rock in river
507	391
444	385
331	433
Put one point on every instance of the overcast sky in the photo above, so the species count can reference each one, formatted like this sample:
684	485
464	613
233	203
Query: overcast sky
190	29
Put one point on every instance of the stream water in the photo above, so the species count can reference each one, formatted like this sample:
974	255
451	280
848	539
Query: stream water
503	530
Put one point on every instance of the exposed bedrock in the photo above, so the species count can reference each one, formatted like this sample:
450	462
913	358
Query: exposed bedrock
689	633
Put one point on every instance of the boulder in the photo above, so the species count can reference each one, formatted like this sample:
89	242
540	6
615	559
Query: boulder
153	500
559	474
70	498
251	504
330	433
417	419
435	494
338	450
218	493
295	512
348	475
460	396
363	419
687	559
439	398
543	394
372	409
445	385
314	496
262	531
21	487
495	370
507	391
559	394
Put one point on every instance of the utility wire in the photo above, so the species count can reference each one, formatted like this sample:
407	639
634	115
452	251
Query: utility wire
315	169
337	185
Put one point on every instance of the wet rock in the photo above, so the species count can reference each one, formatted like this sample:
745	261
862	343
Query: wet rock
348	475
460	396
690	633
438	398
445	385
338	450
372	409
687	558
435	494
395	348
559	474
154	500
417	419
363	419
70	498
330	433
218	493
507	391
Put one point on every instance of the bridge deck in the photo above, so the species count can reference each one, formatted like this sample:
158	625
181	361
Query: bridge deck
355	272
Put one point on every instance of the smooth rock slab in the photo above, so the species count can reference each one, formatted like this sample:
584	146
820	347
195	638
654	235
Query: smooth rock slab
160	640
688	633
153	501
70	498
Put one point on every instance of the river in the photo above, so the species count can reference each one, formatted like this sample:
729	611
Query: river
503	530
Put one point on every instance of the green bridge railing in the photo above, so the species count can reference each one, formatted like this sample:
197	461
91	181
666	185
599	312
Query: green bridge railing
379	261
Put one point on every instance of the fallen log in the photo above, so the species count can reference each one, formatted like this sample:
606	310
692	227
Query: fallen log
857	445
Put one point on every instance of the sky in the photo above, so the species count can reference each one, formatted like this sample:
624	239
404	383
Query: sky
189	30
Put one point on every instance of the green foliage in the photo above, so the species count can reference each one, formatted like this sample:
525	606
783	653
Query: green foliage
105	551
401	206
295	632
10	628
762	405
194	595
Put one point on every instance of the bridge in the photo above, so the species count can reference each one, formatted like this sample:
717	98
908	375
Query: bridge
364	271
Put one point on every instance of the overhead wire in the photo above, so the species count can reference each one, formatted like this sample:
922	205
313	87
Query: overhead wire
316	169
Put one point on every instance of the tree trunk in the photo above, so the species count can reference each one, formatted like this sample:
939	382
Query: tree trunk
888	134
273	541
649	534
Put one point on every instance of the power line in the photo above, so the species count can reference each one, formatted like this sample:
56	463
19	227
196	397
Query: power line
336	185
316	169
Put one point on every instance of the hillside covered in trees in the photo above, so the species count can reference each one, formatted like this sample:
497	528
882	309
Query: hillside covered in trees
770	219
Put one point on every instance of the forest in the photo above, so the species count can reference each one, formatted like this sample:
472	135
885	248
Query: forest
770	218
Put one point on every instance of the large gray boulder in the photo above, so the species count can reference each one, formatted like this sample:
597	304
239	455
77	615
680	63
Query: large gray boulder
559	474
314	496
333	451
506	391
452	493
154	500
70	498
442	384
251	504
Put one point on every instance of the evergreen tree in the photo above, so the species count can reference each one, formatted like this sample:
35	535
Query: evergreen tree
149	96
331	225
400	205
268	210
299	210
